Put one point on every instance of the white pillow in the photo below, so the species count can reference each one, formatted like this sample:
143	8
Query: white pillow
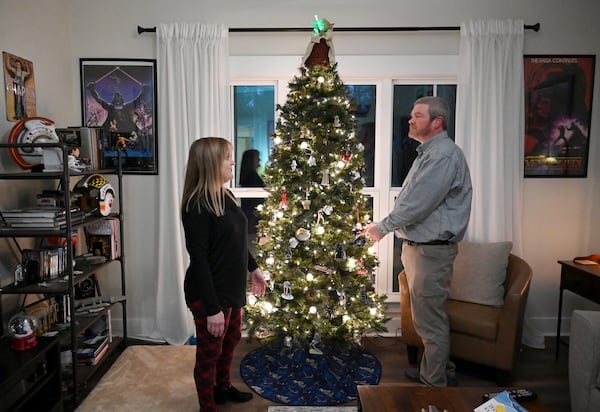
480	272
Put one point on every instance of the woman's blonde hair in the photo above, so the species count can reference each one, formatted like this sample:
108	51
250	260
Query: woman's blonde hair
203	182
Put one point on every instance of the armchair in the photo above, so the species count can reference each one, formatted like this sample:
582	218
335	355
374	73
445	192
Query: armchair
584	361
481	334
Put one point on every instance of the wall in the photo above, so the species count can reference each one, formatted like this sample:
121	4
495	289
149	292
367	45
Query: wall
558	219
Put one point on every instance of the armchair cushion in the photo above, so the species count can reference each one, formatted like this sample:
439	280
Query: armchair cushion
480	272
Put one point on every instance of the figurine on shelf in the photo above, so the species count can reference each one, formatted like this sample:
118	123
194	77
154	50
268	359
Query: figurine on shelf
74	163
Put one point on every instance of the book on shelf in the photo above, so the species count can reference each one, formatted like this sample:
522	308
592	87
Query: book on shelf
47	212
93	360
55	222
94	341
90	347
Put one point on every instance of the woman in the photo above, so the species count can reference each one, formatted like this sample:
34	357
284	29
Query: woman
215	281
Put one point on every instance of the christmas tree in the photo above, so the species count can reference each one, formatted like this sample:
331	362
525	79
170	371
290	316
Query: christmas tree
318	265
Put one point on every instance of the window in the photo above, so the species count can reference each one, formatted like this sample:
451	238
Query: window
254	122
384	90
364	98
403	147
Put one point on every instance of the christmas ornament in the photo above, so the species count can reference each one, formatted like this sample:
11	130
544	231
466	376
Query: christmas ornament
328	210
287	291
340	253
359	241
264	240
312	161
302	234
283	203
315	345
325	181
336	121
270	260
306	202
293	242
346	155
294	165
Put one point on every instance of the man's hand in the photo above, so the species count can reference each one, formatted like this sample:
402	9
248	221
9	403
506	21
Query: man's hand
372	233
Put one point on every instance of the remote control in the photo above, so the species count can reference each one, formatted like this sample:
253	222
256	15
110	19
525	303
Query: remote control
520	394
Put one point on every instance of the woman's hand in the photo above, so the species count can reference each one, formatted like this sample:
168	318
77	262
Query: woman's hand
215	324
259	284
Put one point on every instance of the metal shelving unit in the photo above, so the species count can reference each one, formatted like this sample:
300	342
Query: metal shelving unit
64	285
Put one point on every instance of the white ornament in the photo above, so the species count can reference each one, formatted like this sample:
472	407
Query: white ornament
287	291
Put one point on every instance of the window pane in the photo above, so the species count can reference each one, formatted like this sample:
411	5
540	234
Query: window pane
364	99
254	123
403	147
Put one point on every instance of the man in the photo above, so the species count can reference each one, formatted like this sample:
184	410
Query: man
431	214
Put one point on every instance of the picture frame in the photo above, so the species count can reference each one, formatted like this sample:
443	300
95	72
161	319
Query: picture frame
558	112
119	97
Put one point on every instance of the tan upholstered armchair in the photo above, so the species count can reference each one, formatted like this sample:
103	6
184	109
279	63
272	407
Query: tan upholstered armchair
481	334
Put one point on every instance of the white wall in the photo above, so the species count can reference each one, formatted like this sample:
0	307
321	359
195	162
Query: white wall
559	220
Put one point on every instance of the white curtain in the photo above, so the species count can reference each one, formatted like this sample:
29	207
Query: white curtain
490	129
490	124
193	102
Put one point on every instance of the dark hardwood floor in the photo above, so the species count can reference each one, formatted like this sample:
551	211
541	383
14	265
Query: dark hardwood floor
535	369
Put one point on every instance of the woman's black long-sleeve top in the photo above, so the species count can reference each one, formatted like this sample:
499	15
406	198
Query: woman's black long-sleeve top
219	257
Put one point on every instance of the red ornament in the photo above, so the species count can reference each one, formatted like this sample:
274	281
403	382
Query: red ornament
346	155
283	203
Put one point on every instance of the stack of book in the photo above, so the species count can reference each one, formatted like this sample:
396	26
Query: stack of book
94	342
41	217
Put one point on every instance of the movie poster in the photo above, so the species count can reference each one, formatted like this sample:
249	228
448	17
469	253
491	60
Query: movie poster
558	107
20	87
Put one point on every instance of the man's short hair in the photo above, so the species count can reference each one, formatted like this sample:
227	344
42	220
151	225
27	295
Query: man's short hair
438	107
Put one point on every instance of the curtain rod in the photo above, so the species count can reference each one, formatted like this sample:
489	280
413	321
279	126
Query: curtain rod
535	27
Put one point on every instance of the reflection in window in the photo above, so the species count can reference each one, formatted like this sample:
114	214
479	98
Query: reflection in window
363	99
254	122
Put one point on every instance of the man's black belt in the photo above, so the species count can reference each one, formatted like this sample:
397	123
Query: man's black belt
432	243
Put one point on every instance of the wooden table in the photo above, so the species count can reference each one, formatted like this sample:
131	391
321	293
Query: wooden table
583	280
400	397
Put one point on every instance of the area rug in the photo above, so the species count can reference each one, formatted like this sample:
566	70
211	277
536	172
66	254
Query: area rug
297	377
312	409
147	378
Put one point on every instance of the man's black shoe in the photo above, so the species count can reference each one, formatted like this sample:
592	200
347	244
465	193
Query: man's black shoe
413	374
223	395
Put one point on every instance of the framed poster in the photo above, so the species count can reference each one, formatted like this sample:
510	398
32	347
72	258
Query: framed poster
20	87
119	96
558	109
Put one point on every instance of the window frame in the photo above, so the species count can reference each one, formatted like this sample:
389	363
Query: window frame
382	71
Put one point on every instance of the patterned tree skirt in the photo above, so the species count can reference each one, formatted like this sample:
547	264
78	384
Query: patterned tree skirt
296	377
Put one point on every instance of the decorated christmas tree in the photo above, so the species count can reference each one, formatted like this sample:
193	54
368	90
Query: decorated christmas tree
318	265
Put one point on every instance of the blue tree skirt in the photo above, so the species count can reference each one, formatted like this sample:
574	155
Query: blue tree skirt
296	377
